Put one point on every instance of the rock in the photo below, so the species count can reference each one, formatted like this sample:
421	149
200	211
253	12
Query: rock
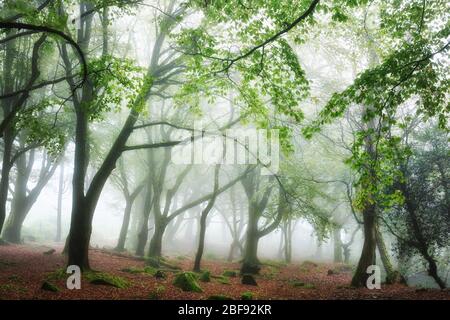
49	252
248	279
186	281
47	286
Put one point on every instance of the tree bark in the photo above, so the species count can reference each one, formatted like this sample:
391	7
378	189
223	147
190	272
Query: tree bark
368	252
155	248
125	224
59	209
250	263
392	276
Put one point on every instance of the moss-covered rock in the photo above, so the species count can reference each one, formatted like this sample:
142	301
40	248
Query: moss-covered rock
205	276
48	286
230	273
247	295
219	297
101	278
187	281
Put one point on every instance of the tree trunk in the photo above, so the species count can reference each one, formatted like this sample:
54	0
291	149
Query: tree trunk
368	252
346	252
18	206
155	248
125	224
143	232
8	139
60	196
250	263
392	276
201	242
337	245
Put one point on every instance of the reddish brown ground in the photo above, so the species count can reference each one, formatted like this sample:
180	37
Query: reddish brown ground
24	268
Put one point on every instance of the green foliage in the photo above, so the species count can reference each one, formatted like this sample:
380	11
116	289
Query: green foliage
116	82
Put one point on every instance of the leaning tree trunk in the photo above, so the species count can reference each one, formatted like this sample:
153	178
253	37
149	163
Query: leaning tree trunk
368	252
337	245
125	224
392	276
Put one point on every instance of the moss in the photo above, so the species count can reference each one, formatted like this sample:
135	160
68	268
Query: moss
275	264
187	281
247	295
219	297
224	280
230	273
153	262
12	288
299	284
15	278
205	276
150	270
133	270
156	294
58	274
102	278
48	286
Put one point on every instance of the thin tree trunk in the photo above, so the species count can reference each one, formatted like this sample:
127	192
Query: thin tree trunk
337	245
125	224
60	196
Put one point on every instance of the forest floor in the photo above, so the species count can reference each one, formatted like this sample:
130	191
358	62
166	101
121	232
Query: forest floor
24	269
